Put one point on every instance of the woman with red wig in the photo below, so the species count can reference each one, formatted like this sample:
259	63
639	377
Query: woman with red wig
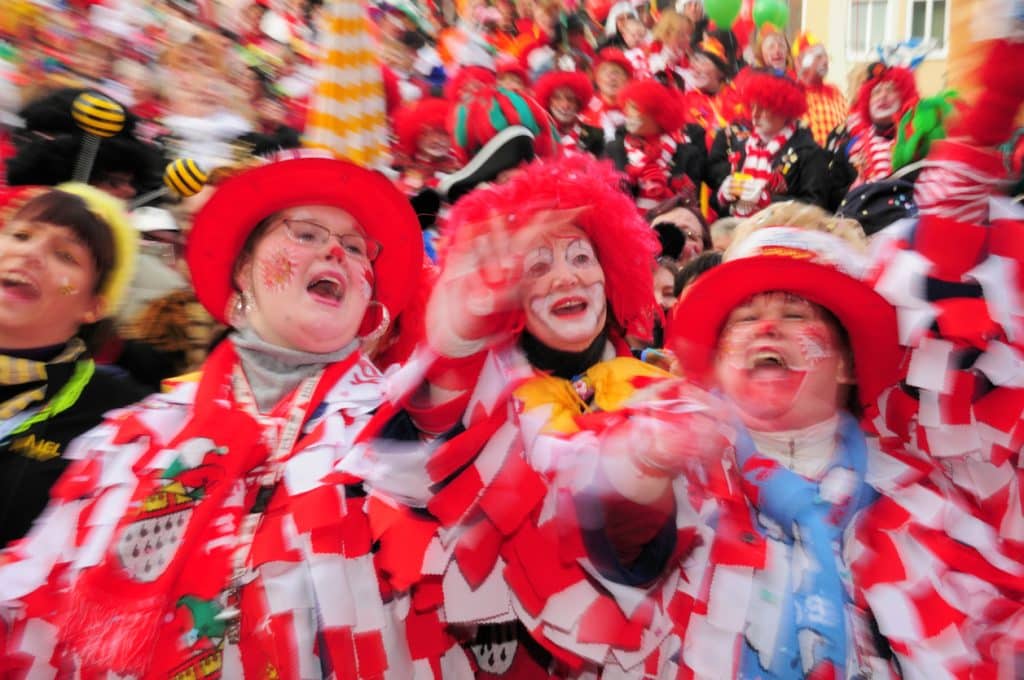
525	367
660	157
565	95
777	160
423	147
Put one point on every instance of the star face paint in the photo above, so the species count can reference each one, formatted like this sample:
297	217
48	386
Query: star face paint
563	291
66	288
780	358
278	271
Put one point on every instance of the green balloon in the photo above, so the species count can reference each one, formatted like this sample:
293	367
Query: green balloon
774	12
723	12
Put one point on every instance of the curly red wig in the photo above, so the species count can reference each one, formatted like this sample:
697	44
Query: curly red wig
576	81
663	104
901	78
514	67
479	77
613	55
413	120
774	91
625	245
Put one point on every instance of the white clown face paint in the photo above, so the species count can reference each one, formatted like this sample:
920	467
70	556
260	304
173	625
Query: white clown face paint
563	290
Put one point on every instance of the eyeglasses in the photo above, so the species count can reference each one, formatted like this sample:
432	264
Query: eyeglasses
313	235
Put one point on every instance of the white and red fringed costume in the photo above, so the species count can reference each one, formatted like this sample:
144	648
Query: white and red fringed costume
956	277
760	596
200	534
496	483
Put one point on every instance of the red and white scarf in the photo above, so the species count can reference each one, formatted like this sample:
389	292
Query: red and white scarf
757	163
649	166
870	151
569	137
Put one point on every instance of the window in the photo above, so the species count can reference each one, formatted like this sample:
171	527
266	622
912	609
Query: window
928	21
867	26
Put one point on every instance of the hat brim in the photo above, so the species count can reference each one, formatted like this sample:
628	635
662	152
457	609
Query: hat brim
869	321
222	226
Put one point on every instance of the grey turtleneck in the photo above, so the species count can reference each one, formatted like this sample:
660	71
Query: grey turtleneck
274	371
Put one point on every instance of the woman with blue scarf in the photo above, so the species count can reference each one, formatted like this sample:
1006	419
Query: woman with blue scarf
826	551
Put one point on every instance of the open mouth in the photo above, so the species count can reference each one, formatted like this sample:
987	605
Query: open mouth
327	289
569	307
19	285
766	359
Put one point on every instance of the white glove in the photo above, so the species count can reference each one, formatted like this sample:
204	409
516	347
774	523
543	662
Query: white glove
752	189
730	189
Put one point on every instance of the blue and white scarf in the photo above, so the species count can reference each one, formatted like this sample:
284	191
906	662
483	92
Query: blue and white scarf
809	517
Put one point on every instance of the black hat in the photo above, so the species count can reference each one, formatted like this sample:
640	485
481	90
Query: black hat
876	205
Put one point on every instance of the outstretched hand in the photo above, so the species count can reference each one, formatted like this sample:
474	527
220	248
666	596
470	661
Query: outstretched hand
477	299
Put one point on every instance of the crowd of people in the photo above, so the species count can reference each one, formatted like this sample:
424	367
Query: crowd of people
647	353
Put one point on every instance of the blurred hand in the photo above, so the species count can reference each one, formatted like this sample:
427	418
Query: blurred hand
477	297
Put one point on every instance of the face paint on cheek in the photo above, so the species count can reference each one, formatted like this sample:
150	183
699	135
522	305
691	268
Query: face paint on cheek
814	345
366	285
66	288
732	346
278	270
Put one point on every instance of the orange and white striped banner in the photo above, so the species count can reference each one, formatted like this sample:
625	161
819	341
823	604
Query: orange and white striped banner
347	116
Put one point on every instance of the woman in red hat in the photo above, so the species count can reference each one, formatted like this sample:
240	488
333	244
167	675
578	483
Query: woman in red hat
524	356
777	159
660	157
205	530
819	549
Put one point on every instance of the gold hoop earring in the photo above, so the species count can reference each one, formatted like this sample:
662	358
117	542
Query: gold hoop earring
239	314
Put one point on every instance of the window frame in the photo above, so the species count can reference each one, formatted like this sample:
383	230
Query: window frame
938	53
868	53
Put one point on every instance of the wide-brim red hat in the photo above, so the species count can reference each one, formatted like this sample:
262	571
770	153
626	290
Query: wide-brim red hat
222	226
816	266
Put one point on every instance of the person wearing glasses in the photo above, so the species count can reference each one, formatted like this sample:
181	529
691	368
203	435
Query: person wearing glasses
205	529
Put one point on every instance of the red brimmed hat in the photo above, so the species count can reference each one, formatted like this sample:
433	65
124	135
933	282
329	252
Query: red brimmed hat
816	266
775	91
663	104
239	204
576	81
413	120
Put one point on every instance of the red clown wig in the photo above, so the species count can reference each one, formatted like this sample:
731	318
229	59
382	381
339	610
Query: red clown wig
774	91
591	191
575	81
468	79
901	78
661	103
413	120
